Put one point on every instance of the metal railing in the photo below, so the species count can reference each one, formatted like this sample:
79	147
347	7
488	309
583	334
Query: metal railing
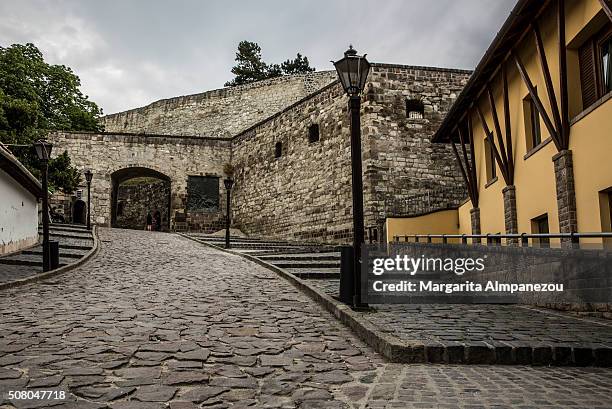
496	238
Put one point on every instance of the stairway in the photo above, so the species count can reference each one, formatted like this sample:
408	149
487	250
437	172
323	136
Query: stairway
308	261
75	241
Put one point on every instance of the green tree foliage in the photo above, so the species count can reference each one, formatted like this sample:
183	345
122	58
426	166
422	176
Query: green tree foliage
250	67
299	65
35	98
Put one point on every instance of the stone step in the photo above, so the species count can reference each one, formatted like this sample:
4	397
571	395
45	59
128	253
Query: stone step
307	265
30	260
65	228
204	237
260	247
38	252
69	226
70	235
317	274
301	257
74	247
258	253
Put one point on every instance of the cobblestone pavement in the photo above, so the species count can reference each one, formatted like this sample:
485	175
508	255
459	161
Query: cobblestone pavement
158	321
489	323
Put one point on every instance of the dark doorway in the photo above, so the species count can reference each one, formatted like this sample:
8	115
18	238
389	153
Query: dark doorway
79	212
137	191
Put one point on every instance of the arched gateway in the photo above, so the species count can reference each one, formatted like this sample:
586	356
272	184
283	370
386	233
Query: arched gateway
135	192
190	167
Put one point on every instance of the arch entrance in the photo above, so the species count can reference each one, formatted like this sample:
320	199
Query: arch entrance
136	191
79	212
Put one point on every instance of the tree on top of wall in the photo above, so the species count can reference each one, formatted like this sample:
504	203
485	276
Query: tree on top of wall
250	67
35	98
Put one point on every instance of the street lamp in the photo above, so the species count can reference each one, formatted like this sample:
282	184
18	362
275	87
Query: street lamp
353	71
229	182
88	177
43	151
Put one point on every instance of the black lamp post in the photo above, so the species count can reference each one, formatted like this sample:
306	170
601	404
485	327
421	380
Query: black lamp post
353	71
43	151
229	182
88	177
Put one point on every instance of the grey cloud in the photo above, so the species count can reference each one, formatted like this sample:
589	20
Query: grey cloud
130	53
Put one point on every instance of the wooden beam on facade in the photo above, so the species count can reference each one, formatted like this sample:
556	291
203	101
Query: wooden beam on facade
489	136
463	172
607	7
565	123
469	167
552	99
508	126
473	156
498	131
537	101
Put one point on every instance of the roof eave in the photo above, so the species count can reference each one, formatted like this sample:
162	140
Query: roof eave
466	97
11	165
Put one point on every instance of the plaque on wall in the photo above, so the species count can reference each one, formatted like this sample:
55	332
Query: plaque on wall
203	193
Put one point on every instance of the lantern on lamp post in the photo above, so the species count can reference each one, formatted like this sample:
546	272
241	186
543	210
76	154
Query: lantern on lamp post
353	71
43	151
88	177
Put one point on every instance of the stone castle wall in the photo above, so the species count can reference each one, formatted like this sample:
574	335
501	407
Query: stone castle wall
306	193
219	113
110	156
400	162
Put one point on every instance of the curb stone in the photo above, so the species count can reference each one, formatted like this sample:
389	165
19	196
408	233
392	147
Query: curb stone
414	351
43	276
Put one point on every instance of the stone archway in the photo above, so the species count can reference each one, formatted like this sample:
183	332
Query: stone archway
120	205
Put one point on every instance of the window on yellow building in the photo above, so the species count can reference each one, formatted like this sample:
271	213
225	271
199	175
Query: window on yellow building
594	58
533	133
606	62
539	225
490	161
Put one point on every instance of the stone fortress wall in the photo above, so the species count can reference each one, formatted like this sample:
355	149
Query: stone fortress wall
218	113
305	194
400	162
116	157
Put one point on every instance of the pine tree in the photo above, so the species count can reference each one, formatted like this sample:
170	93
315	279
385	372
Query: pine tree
250	67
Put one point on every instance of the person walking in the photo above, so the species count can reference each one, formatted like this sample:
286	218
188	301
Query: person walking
149	221
157	216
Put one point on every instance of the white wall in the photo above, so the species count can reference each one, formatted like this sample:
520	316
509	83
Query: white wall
18	216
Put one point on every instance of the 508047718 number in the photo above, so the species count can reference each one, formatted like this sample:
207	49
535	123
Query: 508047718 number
36	394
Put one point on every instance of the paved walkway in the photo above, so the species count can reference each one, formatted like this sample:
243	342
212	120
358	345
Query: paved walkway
159	321
446	333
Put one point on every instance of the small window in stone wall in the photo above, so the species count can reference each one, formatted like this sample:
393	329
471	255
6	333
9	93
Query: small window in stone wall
278	150
313	133
414	109
203	193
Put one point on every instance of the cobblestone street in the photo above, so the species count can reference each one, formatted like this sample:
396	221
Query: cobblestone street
159	321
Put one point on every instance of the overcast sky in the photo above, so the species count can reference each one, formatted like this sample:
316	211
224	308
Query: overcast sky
131	53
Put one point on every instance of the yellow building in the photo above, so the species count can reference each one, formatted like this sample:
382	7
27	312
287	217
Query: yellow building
532	129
